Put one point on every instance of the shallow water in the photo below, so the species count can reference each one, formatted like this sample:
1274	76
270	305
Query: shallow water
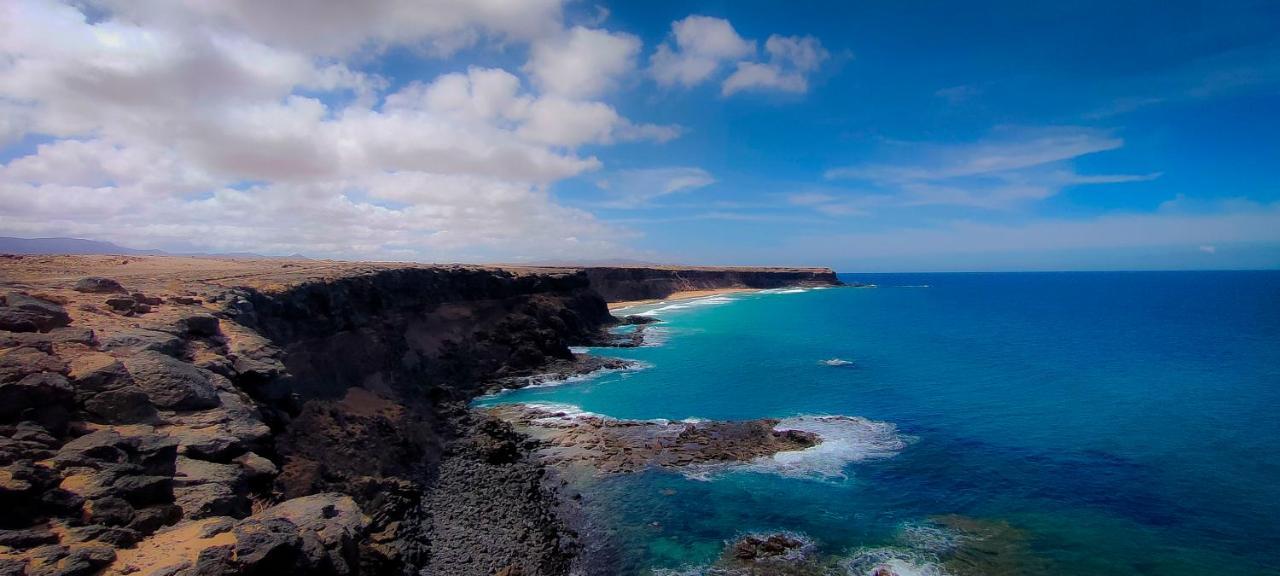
1110	423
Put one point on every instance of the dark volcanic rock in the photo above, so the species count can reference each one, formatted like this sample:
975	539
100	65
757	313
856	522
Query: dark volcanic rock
330	526
132	341
756	548
172	383
641	283
122	304
614	446
18	363
23	313
200	325
98	285
34	394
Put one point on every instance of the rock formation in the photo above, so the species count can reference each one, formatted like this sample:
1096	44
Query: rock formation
211	416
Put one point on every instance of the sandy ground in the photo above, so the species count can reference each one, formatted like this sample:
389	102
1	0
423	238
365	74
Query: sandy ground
684	295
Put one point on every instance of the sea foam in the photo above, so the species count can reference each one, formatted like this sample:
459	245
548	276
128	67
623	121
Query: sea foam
845	440
872	561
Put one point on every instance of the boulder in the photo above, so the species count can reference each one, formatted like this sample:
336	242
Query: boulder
150	453
109	511
137	340
46	340
206	500
23	313
122	303
18	363
330	525
200	325
118	537
151	518
34	394
28	538
141	298
127	405
99	285
191	472
267	545
75	560
256	467
171	383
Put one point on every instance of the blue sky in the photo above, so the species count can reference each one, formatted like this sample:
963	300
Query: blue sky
858	135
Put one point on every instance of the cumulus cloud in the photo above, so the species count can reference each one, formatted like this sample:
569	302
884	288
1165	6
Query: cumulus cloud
1008	168
223	126
582	63
791	60
338	27
697	48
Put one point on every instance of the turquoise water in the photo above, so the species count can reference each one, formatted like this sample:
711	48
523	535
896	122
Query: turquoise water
1115	423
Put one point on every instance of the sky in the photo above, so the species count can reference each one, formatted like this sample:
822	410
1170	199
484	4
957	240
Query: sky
862	135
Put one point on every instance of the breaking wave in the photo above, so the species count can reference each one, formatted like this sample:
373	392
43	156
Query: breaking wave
845	440
902	562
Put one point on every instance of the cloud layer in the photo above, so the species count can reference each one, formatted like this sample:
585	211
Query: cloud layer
220	126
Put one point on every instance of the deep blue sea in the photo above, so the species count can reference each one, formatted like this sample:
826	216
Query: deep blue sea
1083	423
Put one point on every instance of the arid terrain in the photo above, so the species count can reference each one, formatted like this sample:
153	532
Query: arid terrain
176	415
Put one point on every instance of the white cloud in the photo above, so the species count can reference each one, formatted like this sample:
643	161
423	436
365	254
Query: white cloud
339	27
698	47
221	126
583	62
637	188
562	122
762	76
1008	168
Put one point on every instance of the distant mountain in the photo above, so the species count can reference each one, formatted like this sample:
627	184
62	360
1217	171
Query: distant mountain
80	246
10	245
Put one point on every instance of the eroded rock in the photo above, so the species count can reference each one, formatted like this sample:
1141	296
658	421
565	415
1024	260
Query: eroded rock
171	383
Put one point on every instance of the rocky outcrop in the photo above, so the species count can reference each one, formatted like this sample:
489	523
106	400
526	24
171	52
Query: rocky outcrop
221	417
612	446
640	283
318	428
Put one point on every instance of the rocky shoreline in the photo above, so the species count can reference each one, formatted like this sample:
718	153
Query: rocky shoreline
612	446
175	416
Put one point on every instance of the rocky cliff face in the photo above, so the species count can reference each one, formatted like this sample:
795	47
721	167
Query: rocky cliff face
637	283
184	416
316	427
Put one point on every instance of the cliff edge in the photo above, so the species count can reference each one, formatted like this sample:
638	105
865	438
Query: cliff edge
166	415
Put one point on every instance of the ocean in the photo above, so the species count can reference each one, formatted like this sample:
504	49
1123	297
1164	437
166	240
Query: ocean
1028	423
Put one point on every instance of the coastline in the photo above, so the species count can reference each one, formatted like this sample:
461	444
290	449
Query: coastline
679	296
241	391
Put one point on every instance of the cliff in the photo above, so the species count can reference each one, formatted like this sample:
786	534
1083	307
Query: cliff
217	416
655	283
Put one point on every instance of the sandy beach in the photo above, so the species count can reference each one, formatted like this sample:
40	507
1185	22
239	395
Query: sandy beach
683	295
